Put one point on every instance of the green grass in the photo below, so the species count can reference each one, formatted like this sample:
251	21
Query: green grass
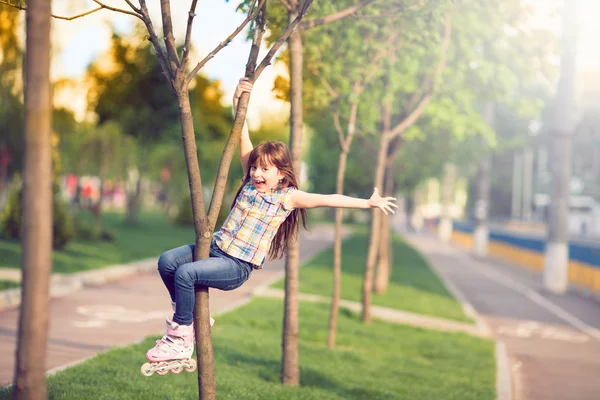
377	361
153	235
413	286
9	285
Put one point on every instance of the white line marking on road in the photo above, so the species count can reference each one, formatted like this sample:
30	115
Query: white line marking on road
534	329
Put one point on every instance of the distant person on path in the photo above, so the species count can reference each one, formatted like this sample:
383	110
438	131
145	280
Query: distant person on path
264	216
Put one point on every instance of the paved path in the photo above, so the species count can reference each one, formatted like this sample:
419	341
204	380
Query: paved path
88	321
553	342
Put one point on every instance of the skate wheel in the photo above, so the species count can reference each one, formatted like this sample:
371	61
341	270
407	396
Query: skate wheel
177	369
147	369
191	366
162	372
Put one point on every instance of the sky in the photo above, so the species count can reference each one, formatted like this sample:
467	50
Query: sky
81	40
78	42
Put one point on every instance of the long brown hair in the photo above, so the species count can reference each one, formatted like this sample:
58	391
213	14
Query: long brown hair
278	155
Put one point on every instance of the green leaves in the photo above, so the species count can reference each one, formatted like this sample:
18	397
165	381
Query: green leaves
130	88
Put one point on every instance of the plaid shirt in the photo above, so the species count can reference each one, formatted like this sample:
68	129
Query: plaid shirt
252	224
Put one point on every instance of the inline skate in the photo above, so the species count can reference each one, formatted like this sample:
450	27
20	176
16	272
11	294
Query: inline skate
172	353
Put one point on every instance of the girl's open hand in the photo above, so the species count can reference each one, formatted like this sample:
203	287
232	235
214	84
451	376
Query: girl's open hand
386	204
243	86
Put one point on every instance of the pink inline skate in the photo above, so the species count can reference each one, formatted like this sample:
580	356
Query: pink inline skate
173	352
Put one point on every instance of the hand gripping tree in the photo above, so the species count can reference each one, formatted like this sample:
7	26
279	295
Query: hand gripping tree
175	69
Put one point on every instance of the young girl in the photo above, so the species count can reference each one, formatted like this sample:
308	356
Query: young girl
264	215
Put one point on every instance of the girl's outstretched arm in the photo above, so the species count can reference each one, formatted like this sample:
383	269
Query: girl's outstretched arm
245	143
300	199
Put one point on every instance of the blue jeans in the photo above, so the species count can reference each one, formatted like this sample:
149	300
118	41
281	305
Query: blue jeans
181	275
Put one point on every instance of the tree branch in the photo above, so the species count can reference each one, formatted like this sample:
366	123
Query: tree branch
69	18
188	32
394	150
416	113
291	27
338	128
238	123
173	57
101	6
137	10
259	31
287	5
334	17
332	92
250	17
154	40
377	61
115	9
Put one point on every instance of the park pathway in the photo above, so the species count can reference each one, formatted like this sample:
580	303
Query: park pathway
88	321
552	342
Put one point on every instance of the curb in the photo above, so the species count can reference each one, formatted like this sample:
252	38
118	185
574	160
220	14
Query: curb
503	369
63	284
503	373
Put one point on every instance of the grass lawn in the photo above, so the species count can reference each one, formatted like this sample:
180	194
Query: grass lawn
377	361
413	286
153	235
9	285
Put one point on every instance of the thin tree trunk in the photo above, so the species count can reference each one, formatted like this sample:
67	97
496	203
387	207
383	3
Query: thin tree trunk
382	275
375	234
290	371
337	246
30	379
98	207
447	200
384	262
204	351
337	278
134	202
480	234
337	255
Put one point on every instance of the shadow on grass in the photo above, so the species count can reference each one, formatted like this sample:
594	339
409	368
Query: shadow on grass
268	370
10	253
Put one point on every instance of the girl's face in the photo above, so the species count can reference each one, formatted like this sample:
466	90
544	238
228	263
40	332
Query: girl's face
265	176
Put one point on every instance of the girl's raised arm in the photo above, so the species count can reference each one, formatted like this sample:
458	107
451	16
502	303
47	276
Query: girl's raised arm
300	199
245	143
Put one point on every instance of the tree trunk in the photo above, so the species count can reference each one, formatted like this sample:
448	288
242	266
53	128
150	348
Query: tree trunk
384	261
375	233
204	350
98	207
337	254
480	234
134	202
337	246
448	182
30	379
382	276
290	371
337	278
